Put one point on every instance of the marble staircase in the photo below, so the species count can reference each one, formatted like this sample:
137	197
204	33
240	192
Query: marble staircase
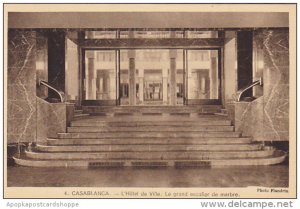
186	136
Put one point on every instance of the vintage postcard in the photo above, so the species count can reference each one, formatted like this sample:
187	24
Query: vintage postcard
149	101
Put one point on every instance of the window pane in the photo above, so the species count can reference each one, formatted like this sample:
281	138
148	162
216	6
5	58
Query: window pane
151	34
100	34
124	34
201	34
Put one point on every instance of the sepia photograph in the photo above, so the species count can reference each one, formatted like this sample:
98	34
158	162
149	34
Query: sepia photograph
149	100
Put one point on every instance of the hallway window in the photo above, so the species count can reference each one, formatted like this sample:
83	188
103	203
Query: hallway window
149	34
201	34
100	34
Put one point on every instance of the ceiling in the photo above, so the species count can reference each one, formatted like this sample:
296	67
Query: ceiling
87	20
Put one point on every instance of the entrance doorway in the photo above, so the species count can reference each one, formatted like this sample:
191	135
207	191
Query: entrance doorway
151	77
153	85
203	77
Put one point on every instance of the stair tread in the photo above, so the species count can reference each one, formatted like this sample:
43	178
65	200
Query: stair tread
275	158
148	147
152	151
81	114
149	129
154	138
150	118
159	134
243	144
173	131
149	140
162	160
170	155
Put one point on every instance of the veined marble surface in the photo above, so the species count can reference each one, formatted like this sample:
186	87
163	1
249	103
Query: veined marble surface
276	85
21	92
267	118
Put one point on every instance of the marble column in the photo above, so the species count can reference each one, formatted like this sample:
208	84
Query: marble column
72	67
131	73
21	86
91	79
173	96
165	90
141	85
230	68
213	74
112	85
132	85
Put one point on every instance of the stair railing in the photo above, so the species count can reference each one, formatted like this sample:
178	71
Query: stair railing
41	82
255	83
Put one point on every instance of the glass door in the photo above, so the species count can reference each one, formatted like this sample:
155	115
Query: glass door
100	77
202	77
151	77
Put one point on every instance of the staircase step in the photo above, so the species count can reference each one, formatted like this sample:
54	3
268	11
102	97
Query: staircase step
145	140
275	158
221	114
150	123
169	134
80	115
224	111
152	117
153	109
150	155
147	129
147	147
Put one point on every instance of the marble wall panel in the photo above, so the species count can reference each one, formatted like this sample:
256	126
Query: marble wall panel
276	84
21	86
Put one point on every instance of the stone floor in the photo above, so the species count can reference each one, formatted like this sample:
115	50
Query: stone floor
268	176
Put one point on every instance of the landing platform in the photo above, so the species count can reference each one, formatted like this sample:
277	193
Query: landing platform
170	177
